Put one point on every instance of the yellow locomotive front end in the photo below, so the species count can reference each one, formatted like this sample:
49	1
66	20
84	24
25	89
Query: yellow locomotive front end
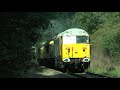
75	50
81	51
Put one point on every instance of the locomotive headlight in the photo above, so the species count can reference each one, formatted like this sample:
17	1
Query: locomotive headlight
86	60
66	60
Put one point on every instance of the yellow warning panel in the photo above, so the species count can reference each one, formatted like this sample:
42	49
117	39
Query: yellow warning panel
75	50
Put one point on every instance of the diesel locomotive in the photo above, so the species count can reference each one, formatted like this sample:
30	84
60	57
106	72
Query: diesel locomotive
69	49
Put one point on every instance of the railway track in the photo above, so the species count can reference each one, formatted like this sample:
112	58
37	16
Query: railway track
73	74
87	75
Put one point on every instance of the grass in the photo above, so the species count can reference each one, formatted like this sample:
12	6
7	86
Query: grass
104	65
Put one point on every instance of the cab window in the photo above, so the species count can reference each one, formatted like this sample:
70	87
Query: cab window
82	39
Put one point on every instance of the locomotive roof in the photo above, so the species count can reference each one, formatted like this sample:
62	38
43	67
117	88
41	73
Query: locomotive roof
73	31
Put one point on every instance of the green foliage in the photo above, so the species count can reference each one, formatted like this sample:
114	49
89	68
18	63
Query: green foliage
111	44
88	21
20	31
107	35
106	44
18	35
